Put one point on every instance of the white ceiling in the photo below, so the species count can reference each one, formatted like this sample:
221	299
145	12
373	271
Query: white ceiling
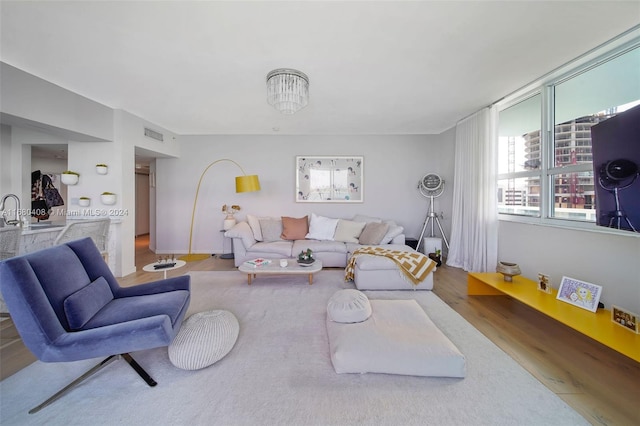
375	67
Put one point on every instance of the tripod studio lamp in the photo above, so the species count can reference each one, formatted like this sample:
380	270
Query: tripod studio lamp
244	183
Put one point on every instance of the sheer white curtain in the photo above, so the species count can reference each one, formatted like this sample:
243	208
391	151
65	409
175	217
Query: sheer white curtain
474	221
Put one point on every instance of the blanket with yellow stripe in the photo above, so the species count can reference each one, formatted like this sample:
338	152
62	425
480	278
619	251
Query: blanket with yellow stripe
414	265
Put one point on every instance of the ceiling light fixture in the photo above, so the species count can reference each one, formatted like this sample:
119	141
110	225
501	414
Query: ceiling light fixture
287	90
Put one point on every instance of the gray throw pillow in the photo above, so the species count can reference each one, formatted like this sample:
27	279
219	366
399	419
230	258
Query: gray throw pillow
271	229
373	233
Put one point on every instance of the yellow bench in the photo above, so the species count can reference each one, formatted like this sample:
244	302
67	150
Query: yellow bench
596	325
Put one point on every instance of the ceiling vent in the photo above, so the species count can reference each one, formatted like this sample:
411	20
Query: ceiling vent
153	134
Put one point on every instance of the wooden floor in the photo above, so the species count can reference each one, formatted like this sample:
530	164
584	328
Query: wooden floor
599	383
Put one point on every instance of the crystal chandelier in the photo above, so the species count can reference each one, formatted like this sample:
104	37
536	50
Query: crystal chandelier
287	90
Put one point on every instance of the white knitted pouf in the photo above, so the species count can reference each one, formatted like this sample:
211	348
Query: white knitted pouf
205	338
348	306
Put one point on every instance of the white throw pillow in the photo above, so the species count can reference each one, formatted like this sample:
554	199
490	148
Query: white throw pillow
322	228
348	306
348	231
394	231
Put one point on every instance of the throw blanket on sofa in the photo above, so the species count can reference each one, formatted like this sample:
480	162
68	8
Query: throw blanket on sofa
414	265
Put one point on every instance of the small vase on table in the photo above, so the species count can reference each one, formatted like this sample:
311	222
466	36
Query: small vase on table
229	222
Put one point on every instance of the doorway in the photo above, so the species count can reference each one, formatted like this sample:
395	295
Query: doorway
142	226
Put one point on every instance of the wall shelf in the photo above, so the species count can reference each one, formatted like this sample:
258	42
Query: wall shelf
597	325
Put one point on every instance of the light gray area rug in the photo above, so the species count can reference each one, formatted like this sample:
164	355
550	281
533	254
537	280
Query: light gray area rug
280	373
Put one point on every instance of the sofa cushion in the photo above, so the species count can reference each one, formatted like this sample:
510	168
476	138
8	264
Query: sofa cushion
366	219
169	303
294	228
367	262
270	250
351	247
318	246
82	305
271	229
348	231
242	230
254	223
348	306
373	233
322	228
394	231
387	278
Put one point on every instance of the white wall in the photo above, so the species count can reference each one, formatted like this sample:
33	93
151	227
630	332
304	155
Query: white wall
37	101
393	165
6	168
612	261
129	136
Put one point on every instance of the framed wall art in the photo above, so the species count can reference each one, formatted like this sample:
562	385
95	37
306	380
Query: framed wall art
579	293
329	179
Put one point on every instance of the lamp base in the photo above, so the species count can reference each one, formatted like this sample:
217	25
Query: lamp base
194	257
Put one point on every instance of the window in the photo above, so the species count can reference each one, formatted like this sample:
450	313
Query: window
580	102
519	158
548	175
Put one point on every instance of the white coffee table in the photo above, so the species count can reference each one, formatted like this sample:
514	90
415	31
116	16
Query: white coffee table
273	268
150	267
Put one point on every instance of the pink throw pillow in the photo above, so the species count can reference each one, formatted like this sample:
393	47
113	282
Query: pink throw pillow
294	228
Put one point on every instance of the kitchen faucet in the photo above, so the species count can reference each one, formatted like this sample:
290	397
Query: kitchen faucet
3	213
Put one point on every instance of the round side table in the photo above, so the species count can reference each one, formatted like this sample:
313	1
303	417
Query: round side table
150	267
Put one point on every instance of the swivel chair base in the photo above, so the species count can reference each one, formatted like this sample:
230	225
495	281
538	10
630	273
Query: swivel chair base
147	378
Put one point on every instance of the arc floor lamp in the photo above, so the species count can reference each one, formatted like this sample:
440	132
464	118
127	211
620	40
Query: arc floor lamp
244	183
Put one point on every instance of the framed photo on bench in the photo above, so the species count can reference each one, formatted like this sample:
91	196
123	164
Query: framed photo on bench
624	318
544	283
579	293
329	179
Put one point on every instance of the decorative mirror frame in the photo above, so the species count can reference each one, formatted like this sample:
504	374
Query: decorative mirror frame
330	179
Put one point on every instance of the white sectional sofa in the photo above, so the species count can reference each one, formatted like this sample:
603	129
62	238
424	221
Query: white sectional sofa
332	240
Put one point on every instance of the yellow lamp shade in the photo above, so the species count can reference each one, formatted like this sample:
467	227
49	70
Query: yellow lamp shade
247	183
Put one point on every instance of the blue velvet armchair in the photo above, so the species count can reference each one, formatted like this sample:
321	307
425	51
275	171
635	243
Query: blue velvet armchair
67	306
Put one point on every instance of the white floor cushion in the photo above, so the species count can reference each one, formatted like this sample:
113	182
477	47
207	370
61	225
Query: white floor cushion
203	339
398	338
